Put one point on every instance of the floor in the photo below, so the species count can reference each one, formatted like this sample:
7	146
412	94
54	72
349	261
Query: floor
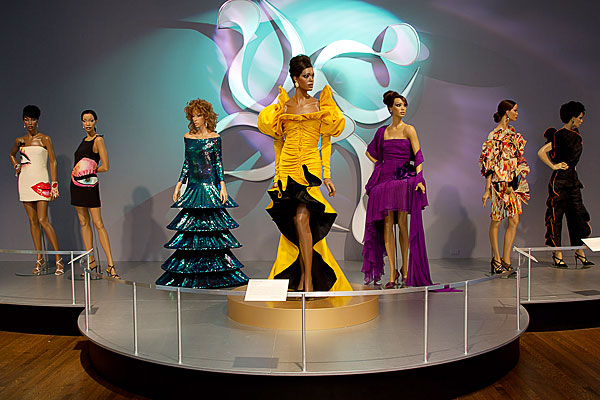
552	365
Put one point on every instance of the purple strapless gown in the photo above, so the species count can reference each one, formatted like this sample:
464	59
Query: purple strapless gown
394	189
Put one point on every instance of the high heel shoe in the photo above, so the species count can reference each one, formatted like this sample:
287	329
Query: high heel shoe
496	267
112	272
559	262
60	268
94	268
40	265
506	266
394	283
585	263
402	283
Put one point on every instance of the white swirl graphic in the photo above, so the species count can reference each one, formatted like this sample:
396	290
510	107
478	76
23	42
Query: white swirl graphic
248	15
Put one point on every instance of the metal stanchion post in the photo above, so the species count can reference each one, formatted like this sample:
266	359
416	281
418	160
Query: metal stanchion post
466	317
303	332
179	356
425	334
72	278
135	327
529	276
87	303
519	299
89	282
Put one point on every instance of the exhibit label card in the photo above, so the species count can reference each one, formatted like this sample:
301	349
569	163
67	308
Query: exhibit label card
267	290
592	243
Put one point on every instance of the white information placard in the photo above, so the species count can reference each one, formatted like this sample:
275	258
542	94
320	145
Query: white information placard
592	243
267	290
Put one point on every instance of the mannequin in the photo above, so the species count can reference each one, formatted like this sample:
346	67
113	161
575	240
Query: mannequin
35	191
298	208
504	168
202	243
90	159
561	153
396	188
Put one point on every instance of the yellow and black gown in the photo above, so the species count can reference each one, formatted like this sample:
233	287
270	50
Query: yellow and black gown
298	168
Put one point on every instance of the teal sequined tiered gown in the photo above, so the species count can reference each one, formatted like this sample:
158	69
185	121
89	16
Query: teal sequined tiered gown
202	243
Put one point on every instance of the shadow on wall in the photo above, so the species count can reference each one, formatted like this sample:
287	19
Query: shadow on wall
143	237
452	221
64	217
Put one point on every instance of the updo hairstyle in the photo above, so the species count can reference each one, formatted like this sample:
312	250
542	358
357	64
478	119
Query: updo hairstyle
298	64
390	96
503	107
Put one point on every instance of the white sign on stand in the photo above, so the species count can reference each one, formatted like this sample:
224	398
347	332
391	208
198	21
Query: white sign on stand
267	290
592	243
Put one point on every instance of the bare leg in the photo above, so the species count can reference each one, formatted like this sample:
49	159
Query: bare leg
301	220
86	229
34	226
102	234
42	212
403	228
494	225
301	284
509	237
390	242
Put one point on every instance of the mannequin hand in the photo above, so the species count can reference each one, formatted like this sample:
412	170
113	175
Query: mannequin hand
561	165
330	187
485	197
223	194
176	193
420	186
54	193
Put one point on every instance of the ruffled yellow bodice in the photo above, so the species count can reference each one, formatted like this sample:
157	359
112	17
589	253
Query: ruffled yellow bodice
296	137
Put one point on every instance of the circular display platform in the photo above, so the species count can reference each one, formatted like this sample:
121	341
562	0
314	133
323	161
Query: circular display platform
321	313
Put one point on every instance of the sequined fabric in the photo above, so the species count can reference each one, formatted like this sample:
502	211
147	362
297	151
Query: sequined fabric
202	241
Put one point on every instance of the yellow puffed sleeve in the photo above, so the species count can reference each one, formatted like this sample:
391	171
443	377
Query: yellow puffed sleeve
269	121
333	124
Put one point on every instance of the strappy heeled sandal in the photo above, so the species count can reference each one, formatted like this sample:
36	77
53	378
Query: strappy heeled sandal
93	269
506	266
60	268
496	267
585	263
559	262
40	264
112	272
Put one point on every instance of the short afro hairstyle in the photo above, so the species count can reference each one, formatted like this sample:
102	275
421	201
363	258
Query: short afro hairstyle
32	112
570	110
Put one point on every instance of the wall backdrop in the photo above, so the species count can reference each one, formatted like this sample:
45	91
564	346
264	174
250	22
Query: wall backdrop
137	63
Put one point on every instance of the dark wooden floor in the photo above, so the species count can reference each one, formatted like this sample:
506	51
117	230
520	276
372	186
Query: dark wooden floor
553	365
